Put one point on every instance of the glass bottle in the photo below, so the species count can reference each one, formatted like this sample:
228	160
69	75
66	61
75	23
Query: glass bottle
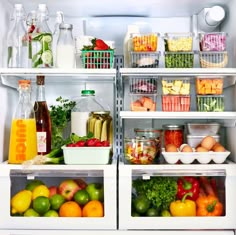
42	56
17	40
23	140
65	52
43	120
82	110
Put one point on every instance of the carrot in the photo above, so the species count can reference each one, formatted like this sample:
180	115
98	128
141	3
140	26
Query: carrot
207	186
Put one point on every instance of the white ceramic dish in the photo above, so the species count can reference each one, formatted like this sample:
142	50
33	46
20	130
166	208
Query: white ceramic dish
86	155
201	157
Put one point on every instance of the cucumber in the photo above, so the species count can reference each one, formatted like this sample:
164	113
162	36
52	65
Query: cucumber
47	57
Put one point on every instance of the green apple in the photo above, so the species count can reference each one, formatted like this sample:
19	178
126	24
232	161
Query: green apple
95	191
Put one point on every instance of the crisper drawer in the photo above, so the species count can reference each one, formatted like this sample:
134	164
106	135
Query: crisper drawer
100	214
148	196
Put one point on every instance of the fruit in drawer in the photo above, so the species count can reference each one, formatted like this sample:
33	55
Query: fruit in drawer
41	190
68	188
56	201
93	208
175	87
52	190
143	104
32	184
70	209
95	191
41	204
21	201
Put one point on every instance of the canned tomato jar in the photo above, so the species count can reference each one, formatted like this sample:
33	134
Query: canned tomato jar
173	134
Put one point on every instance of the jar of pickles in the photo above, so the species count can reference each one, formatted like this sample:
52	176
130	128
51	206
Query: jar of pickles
100	124
173	134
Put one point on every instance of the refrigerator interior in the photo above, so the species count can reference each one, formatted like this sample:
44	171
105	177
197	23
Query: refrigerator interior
109	21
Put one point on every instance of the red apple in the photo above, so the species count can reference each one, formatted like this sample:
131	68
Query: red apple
52	190
81	182
68	188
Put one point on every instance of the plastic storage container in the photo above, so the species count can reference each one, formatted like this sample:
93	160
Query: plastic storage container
210	103
171	86
143	85
195	140
203	128
147	102
209	86
213	59
179	59
145	59
177	42
176	103
145	42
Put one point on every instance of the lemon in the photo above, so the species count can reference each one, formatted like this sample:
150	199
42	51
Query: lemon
21	201
40	190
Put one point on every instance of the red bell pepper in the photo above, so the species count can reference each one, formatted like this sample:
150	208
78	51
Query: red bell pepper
188	184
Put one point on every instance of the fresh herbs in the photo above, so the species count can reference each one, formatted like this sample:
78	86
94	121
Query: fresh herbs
160	191
60	116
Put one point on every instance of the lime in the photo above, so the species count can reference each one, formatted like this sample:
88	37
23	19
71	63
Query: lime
81	197
33	184
21	201
31	213
41	204
165	213
141	204
40	190
152	212
51	213
47	57
56	201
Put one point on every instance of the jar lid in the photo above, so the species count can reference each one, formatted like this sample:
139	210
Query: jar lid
173	127
88	92
101	112
146	130
65	26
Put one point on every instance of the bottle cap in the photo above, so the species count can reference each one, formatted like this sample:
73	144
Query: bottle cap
65	26
87	92
215	15
40	80
24	83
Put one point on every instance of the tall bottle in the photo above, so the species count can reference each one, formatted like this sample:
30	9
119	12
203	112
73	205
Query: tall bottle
132	29
23	140
43	120
42	56
17	40
65	52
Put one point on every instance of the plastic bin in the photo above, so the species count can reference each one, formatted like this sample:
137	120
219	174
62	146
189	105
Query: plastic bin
175	103
145	59
177	42
147	102
143	85
171	86
213	59
209	86
179	59
210	103
195	140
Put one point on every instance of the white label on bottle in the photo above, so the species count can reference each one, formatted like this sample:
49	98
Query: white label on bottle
79	123
41	142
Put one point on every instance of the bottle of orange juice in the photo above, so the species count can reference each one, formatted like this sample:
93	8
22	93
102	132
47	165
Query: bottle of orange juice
23	139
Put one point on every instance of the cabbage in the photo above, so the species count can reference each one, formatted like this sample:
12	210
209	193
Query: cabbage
213	42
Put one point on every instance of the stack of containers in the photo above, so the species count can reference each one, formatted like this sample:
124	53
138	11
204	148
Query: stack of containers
209	91
144	50
176	94
179	50
213	53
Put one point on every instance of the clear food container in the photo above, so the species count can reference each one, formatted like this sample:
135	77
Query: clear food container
145	85
140	150
175	103
171	86
195	140
145	59
209	86
203	128
147	102
215	41
179	59
145	42
213	59
177	42
210	103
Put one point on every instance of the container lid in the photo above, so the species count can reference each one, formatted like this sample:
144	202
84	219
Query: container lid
24	83
88	92
173	127
147	130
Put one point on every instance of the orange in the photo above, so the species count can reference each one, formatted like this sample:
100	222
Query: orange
93	208
70	209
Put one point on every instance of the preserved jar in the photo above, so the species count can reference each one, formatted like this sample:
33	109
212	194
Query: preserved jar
100	124
173	134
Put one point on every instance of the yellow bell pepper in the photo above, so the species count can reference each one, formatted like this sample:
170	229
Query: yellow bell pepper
184	207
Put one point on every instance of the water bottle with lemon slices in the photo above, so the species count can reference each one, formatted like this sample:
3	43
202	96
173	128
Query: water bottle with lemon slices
42	56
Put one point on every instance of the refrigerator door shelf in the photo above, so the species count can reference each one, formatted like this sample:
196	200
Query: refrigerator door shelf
14	178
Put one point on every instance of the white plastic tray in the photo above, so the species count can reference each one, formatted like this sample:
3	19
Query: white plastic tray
201	157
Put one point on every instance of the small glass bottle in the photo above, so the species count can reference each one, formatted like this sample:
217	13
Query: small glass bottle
23	140
43	120
42	56
81	112
17	40
65	52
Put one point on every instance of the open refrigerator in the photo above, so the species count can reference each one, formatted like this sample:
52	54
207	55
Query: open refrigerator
109	20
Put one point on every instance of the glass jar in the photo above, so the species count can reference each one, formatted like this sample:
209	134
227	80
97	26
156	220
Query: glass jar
150	133
100	124
65	50
173	134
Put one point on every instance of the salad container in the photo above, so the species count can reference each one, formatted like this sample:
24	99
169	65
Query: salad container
210	103
179	59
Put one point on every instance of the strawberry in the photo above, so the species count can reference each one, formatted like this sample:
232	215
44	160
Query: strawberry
99	44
